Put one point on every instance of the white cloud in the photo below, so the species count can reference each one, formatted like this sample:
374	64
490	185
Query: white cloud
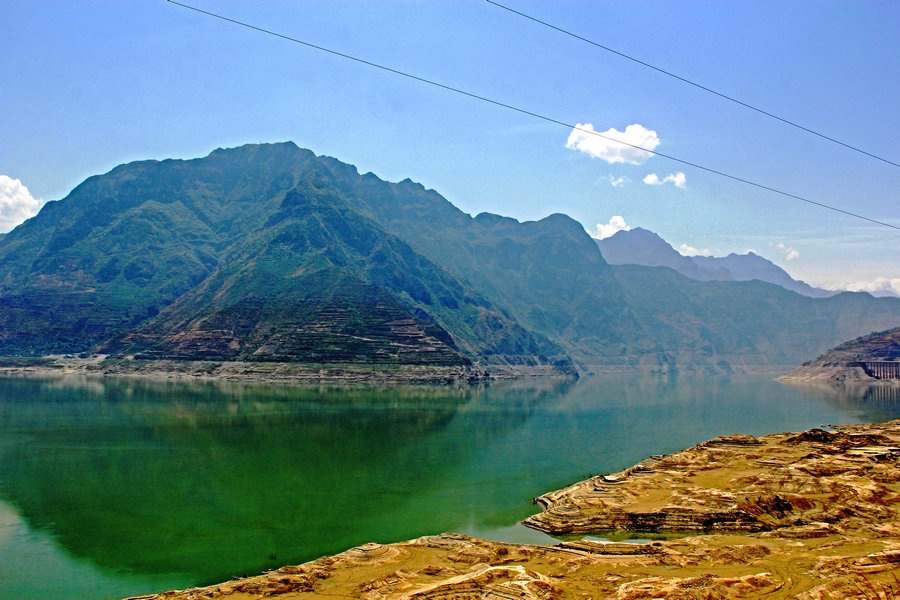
585	138
879	285
618	181
691	251
615	225
16	203
789	253
678	179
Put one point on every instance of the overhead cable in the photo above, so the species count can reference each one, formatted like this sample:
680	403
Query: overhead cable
525	112
693	83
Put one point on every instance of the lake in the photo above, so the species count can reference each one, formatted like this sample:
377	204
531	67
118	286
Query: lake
114	487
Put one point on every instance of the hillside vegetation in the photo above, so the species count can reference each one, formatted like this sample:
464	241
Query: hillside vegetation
271	253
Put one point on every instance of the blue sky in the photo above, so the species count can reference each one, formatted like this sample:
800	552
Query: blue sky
93	84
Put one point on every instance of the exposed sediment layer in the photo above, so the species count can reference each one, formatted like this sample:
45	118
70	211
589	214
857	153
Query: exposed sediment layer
275	372
814	515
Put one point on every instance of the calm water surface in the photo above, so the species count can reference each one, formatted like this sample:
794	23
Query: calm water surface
115	488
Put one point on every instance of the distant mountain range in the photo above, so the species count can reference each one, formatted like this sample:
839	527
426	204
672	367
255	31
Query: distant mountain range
639	246
271	253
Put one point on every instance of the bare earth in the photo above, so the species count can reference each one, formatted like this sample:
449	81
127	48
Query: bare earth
810	515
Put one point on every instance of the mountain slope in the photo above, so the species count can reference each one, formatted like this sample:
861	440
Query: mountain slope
546	274
271	253
321	283
751	266
878	346
851	362
739	324
639	246
124	245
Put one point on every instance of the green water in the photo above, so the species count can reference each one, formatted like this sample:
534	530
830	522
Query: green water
114	488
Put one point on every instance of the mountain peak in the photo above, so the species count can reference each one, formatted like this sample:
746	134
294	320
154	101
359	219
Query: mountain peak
268	252
492	220
638	246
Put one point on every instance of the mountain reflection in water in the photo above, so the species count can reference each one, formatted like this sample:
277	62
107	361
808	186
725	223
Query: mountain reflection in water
207	481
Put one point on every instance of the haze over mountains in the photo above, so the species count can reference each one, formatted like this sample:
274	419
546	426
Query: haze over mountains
271	253
639	246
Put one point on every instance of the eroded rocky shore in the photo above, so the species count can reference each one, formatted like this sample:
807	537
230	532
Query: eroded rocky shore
808	515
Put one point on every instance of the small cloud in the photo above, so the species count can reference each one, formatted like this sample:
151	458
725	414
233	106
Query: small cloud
678	179
16	203
691	251
608	144
879	285
789	253
615	225
618	181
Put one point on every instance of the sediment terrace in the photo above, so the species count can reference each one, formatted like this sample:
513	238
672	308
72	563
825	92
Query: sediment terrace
814	515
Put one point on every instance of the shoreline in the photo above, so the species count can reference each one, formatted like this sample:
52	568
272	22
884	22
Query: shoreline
834	376
319	373
811	515
102	366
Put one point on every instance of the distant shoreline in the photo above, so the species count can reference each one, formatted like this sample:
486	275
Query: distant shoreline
835	376
271	372
332	373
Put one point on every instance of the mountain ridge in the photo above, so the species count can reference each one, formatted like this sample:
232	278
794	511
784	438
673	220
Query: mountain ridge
271	253
638	246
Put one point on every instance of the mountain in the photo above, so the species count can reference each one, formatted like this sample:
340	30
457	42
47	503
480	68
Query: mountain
751	266
323	283
878	347
271	253
738	324
639	246
250	253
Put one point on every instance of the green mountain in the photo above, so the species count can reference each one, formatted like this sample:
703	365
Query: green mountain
270	253
729	324
251	253
322	283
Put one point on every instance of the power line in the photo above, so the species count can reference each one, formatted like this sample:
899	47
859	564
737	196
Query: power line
693	83
525	112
